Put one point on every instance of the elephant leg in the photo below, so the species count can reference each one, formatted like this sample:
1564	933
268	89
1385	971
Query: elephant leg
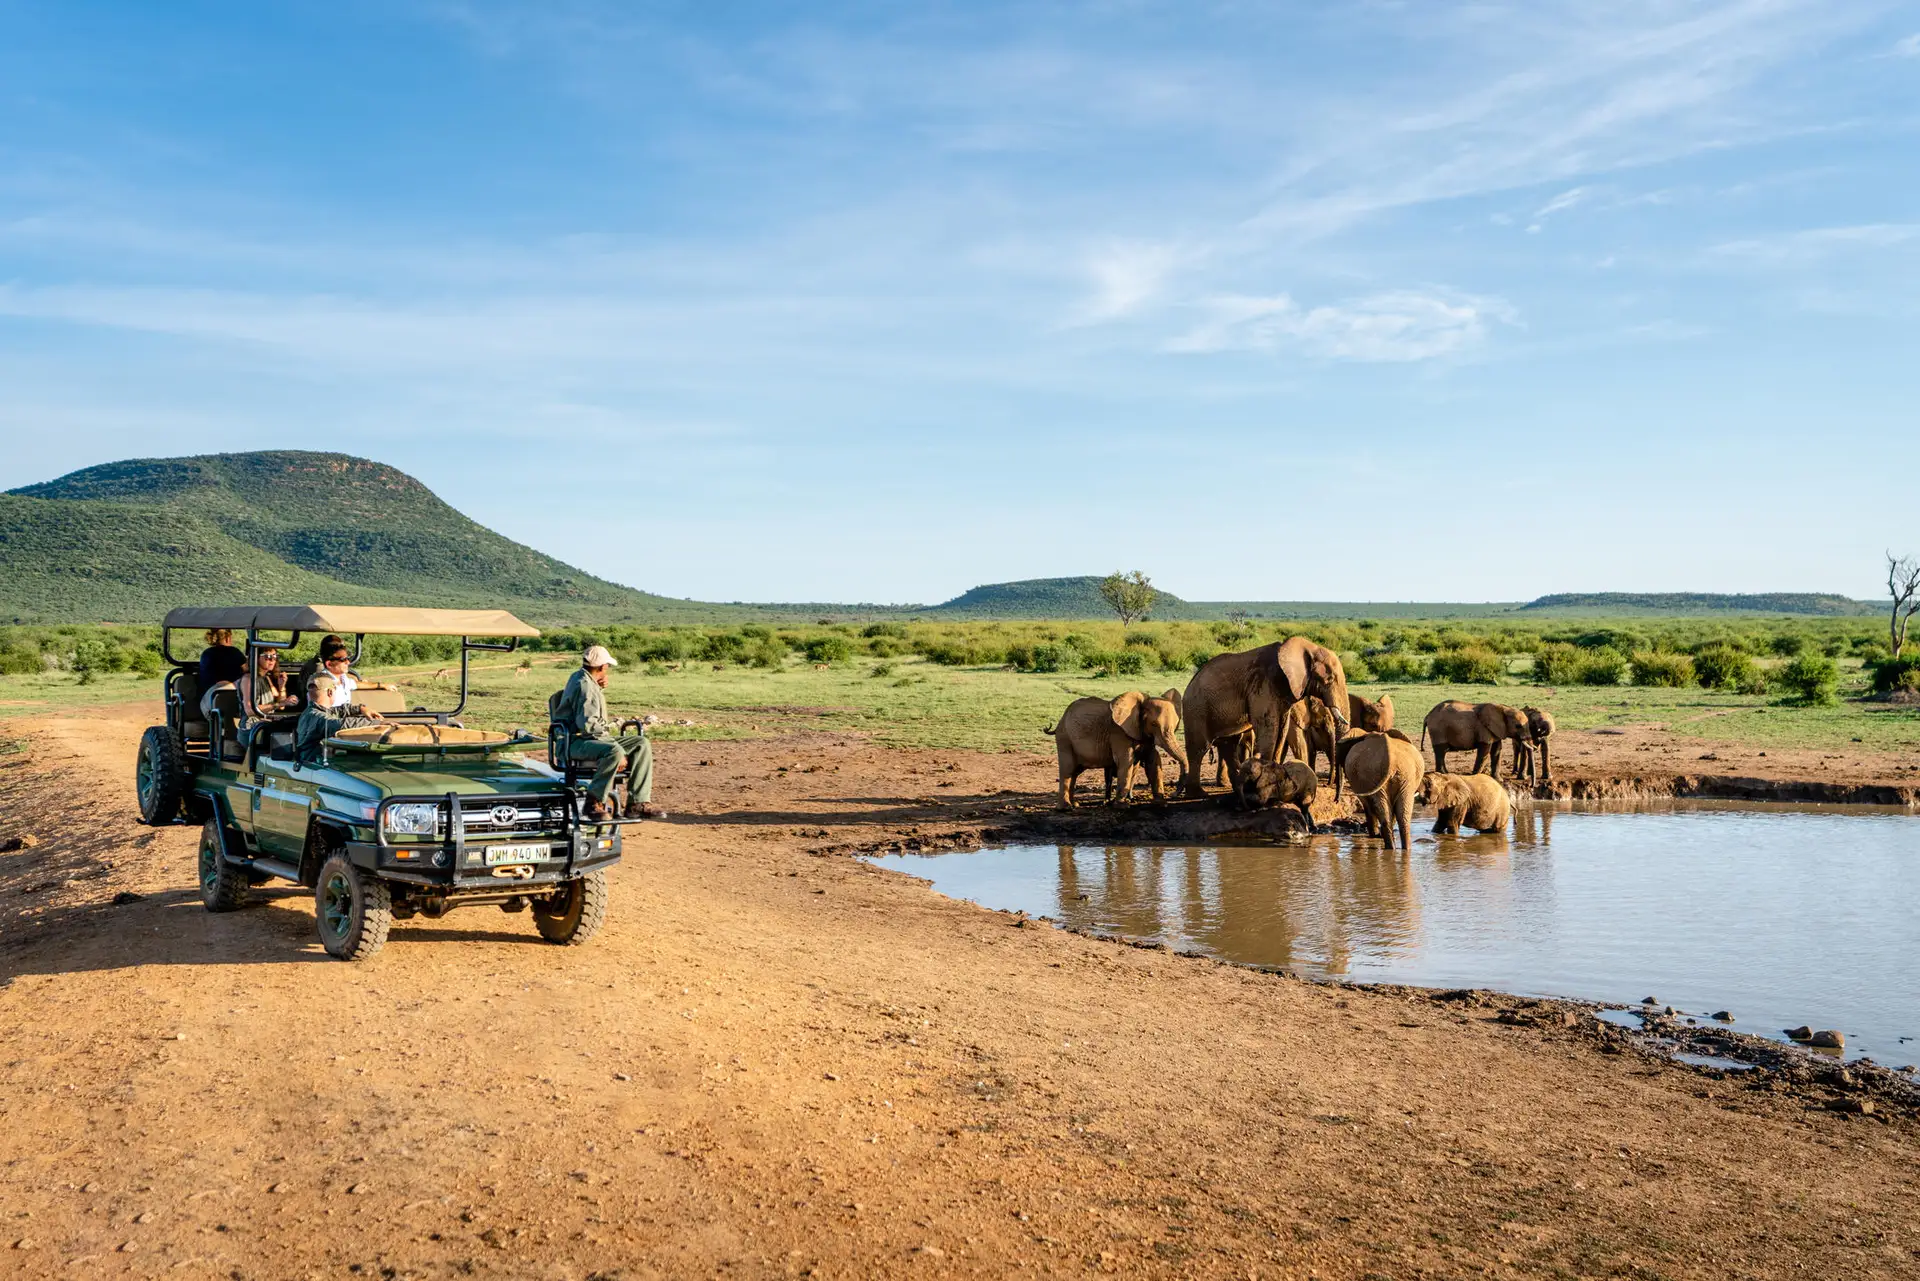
1479	758
1493	758
1403	815
1546	761
1152	765
1197	746
1439	758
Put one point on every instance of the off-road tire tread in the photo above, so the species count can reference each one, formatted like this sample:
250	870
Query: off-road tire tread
230	889
163	807
567	929
376	917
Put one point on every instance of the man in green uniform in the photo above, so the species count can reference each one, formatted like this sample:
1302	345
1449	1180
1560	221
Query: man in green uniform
582	708
319	721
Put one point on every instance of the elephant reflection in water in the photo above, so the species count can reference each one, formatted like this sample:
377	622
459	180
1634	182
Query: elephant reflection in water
1306	907
1532	824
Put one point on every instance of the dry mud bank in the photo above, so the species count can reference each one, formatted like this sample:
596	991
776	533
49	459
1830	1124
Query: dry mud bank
779	1061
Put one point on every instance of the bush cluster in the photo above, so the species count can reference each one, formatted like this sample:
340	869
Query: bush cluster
1468	665
1896	674
1661	668
1810	680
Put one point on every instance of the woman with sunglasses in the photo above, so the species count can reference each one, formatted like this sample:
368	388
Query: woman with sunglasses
264	689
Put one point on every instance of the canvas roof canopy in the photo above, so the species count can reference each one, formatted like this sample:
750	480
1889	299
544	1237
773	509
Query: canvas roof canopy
348	620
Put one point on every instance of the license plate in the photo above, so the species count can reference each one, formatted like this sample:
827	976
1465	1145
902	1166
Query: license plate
498	854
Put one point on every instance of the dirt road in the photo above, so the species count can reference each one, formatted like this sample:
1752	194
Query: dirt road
776	1062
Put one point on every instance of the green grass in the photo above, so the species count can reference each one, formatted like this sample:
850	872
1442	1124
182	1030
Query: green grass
985	706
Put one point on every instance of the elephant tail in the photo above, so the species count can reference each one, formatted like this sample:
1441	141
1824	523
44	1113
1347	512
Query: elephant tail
1050	730
1423	736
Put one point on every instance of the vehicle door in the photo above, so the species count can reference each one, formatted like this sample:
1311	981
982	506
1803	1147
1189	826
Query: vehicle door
283	802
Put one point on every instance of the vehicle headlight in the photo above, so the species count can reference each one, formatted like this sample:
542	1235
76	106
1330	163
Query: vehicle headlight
413	820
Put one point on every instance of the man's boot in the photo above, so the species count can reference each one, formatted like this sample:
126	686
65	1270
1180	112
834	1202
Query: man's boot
597	811
640	809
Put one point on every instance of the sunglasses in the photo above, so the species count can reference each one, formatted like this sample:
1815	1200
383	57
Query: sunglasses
341	659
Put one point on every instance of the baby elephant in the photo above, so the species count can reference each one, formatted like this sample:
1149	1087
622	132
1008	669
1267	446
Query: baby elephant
1267	786
1477	801
1383	772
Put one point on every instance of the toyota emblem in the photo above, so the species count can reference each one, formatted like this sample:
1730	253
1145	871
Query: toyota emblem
504	815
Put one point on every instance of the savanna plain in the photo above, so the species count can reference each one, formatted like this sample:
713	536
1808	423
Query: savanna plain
779	1060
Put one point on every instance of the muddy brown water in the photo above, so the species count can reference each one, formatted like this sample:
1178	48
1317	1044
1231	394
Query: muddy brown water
1783	915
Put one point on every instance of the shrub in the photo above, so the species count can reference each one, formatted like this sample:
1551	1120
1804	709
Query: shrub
1143	640
146	662
768	652
1556	663
1810	679
656	668
1468	665
756	631
896	630
1603	666
888	647
1172	660
1117	662
18	660
1041	658
1891	674
670	648
1080	641
827	649
881	669
1199	656
947	654
1395	667
1787	644
723	647
1721	666
1356	669
1660	668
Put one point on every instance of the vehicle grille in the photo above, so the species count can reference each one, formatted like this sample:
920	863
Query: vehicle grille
530	816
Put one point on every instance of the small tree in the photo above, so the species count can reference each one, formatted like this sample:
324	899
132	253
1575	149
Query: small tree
1128	595
1903	585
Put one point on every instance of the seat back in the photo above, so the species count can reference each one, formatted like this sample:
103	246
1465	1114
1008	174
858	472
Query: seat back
185	689
384	701
224	735
560	740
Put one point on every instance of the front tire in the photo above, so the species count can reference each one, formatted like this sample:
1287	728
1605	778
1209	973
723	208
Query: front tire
223	887
352	910
574	915
159	777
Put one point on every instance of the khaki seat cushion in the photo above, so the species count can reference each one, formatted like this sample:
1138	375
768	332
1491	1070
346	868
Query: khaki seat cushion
381	700
418	735
194	731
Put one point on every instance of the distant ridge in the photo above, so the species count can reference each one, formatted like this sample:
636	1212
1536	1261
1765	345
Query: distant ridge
1044	598
1704	602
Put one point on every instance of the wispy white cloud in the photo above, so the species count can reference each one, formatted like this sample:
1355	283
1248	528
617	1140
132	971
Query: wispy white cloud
1908	47
1817	243
1389	327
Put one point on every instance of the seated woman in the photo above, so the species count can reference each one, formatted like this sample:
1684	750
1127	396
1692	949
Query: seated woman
321	720
263	691
221	666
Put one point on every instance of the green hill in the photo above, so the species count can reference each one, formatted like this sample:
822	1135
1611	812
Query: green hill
1042	598
126	540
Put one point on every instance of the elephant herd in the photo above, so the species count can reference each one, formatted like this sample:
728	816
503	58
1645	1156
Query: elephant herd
1256	709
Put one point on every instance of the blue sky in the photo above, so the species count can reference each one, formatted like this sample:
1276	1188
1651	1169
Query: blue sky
1352	300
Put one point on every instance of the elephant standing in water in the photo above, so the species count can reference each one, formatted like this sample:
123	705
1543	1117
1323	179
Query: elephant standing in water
1455	726
1113	735
1384	772
1253	689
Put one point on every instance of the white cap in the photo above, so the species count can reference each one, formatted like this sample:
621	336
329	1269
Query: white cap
597	656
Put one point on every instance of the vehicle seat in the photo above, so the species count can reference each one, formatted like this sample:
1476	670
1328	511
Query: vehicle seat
226	711
384	701
186	688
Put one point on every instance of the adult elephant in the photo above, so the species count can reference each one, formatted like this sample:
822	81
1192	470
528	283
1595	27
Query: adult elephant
1254	689
1112	735
1455	726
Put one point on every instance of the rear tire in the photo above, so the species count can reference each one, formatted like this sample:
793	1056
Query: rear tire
223	887
351	910
574	915
159	777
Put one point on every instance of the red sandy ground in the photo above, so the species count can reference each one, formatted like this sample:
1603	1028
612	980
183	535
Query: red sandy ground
781	1062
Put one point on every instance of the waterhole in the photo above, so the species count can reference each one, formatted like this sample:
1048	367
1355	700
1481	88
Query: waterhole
1781	915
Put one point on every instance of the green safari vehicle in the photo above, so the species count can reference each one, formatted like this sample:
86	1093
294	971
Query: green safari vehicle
414	816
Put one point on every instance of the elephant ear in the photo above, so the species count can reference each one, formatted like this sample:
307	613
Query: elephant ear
1291	657
1125	711
1179	702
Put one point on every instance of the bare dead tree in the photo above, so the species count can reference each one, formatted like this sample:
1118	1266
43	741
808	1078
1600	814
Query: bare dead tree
1903	585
